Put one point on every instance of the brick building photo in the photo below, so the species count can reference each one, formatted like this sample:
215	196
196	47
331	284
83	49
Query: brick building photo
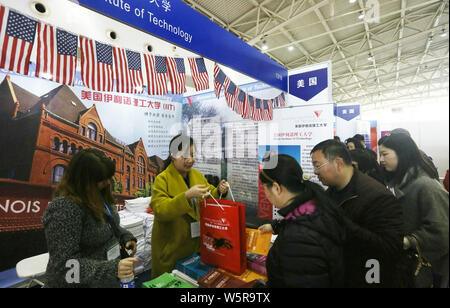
39	135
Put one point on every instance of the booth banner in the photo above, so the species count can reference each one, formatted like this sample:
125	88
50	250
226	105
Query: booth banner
346	120
207	135
223	235
295	137
177	22
43	124
363	128
241	154
310	84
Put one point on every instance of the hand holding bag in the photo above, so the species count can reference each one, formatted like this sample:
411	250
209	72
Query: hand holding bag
222	235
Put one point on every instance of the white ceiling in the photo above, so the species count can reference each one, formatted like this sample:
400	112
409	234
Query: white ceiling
410	58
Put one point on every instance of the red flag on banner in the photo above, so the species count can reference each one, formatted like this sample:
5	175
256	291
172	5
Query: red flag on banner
199	73
56	54
127	65
177	74
219	80
17	33
96	65
157	73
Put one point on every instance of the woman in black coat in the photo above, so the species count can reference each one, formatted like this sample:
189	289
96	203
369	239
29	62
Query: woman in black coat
308	250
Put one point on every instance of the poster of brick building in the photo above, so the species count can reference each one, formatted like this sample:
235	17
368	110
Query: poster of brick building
43	124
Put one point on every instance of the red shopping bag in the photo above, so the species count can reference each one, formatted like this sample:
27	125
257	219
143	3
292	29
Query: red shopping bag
223	236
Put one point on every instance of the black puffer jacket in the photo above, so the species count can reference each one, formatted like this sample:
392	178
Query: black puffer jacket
308	251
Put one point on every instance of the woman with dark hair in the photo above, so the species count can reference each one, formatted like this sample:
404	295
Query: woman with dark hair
308	251
176	194
415	184
82	227
363	161
353	144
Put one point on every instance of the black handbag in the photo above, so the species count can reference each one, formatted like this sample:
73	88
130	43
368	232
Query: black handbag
420	269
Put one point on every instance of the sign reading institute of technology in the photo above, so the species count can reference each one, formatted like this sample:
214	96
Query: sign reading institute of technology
176	22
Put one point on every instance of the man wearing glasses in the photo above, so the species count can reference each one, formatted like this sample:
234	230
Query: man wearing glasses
372	216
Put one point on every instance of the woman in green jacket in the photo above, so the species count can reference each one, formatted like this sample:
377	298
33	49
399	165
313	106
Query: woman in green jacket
176	196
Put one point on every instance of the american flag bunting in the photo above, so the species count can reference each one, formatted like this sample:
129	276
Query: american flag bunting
56	58
230	94
177	74
199	73
282	100
157	74
219	80
241	103
267	110
258	109
17	34
96	65
128	71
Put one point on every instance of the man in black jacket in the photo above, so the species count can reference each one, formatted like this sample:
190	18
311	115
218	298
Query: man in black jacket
373	249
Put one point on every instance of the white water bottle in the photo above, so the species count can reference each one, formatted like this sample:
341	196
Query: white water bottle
127	283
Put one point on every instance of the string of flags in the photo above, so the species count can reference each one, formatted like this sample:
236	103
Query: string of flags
104	67
247	106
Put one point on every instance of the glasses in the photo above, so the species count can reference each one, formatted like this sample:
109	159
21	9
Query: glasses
318	167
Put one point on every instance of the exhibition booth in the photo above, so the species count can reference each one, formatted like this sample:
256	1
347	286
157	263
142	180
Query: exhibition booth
124	77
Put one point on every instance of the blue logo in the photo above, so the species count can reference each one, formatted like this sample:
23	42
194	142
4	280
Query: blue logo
307	85
347	112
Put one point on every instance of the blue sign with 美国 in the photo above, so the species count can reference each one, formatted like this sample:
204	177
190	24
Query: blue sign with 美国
177	22
308	84
347	112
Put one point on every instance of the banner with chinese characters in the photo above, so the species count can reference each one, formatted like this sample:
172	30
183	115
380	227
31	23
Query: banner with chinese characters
294	136
43	124
311	84
347	116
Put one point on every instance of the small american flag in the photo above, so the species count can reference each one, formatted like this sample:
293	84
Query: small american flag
282	100
267	110
157	73
127	65
199	73
258	110
56	54
241	103
276	102
96	65
219	80
251	108
230	94
17	33
177	74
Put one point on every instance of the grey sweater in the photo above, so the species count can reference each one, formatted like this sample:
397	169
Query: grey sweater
75	237
426	215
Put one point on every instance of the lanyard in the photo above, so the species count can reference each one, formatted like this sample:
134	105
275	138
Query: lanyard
109	219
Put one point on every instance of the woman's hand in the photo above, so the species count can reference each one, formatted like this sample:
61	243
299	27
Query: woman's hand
131	245
126	268
223	187
197	191
267	228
